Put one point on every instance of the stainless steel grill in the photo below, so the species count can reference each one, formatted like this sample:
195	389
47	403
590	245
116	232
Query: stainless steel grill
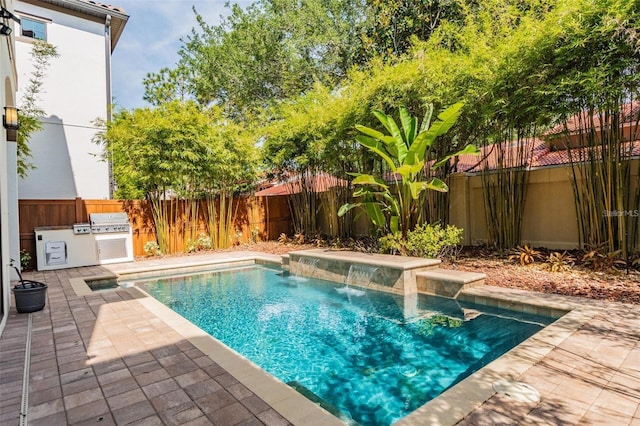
109	223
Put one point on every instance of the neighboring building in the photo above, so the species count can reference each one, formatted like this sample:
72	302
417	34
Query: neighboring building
76	92
8	208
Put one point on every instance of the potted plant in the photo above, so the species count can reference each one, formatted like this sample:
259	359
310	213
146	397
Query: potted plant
25	260
30	295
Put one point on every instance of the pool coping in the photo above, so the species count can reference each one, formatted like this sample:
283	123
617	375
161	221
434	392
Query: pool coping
373	259
449	408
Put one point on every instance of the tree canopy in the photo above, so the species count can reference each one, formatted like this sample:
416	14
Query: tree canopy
178	147
299	75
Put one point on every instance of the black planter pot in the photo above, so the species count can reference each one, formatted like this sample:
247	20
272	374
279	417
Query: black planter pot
30	296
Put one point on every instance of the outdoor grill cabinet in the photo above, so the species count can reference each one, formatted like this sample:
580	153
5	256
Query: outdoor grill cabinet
107	239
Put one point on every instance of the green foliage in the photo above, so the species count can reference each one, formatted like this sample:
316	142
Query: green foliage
151	248
434	241
270	52
203	242
180	150
403	151
394	25
519	67
177	146
30	112
430	241
394	244
167	85
25	260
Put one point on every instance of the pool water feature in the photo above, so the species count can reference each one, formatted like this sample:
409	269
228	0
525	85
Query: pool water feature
365	356
358	274
308	266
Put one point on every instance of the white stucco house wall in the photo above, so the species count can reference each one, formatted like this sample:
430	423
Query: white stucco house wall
8	196
76	92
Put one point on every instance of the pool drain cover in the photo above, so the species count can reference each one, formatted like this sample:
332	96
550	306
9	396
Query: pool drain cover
407	370
518	391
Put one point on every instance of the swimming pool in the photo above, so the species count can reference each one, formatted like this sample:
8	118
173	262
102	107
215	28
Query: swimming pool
364	354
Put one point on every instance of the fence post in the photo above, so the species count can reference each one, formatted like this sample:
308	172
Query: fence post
79	215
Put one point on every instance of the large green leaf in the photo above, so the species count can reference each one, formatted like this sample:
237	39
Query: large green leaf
382	118
401	144
375	146
434	184
386	139
426	120
469	149
364	191
406	170
375	214
394	224
346	207
370	132
446	119
392	203
400	147
408	125
371	208
365	179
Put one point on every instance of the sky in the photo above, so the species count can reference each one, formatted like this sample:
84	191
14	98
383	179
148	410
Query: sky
151	40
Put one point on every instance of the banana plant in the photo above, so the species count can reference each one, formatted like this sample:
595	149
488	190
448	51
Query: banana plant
403	149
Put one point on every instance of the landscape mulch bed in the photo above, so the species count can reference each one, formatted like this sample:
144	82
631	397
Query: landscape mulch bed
617	285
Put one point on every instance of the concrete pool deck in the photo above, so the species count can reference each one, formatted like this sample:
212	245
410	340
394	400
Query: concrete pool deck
118	357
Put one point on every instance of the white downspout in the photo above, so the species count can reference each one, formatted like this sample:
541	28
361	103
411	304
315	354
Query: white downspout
107	53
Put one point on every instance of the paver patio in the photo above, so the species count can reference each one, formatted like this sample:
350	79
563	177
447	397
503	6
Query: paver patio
106	358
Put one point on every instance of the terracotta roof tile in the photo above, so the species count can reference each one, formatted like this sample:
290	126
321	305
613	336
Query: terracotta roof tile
318	183
630	113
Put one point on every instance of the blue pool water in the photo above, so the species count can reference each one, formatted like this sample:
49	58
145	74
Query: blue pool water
363	355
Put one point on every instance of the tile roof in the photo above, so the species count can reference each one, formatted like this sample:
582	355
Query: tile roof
318	183
630	114
551	151
542	155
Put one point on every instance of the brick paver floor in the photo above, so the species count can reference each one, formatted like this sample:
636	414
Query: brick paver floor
591	378
104	359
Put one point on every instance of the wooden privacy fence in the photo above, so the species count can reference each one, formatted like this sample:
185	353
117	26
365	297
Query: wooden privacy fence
262	218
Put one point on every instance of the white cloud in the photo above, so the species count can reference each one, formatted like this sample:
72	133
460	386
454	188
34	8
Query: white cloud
151	40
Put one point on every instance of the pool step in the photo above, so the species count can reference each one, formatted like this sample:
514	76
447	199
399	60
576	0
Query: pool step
446	282
304	391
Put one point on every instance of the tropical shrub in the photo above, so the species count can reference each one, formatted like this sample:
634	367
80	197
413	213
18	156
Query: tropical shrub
404	152
431	241
203	242
434	240
599	259
524	255
151	248
25	259
394	244
560	262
